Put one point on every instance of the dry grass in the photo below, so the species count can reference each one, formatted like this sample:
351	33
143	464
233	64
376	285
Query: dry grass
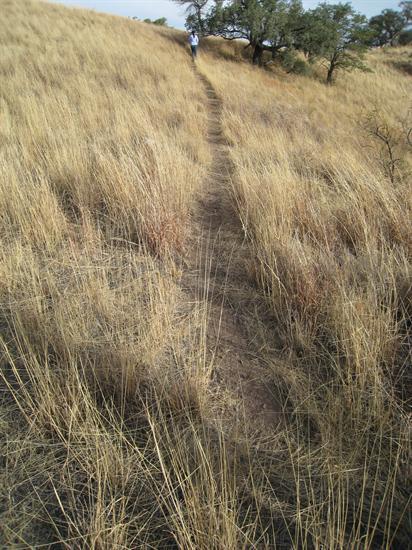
101	155
109	433
328	213
82	125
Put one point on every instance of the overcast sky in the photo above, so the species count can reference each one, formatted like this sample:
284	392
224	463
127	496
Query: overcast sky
175	14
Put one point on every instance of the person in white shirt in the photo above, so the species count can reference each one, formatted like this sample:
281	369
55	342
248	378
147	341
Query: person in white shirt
194	42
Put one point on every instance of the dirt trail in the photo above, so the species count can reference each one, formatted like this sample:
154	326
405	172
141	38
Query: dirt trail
218	271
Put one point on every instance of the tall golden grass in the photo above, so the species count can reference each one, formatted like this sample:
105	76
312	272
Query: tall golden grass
102	151
322	185
110	436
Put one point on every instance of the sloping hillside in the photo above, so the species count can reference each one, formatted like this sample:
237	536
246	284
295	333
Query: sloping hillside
205	291
322	185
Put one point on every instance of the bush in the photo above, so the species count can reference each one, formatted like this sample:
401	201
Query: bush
294	64
405	38
161	22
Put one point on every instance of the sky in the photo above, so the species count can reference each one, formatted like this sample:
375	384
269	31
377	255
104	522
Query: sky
176	14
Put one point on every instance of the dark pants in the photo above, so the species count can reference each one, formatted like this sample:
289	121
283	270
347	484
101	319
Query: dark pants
194	51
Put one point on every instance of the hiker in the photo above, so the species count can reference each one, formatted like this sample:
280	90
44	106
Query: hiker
194	42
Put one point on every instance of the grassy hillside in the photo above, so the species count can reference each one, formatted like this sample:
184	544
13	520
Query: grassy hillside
328	213
118	425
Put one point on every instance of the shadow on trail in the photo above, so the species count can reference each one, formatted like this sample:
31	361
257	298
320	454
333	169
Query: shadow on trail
213	46
219	270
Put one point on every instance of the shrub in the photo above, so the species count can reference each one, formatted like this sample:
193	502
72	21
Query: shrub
292	63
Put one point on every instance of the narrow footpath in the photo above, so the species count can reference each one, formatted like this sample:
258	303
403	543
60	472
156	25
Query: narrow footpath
218	272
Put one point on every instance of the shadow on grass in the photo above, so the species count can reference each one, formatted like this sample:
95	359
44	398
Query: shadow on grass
403	66
233	50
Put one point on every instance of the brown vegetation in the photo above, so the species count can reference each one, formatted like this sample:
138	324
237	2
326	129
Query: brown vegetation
126	303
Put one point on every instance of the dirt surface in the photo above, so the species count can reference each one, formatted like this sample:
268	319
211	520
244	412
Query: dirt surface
218	272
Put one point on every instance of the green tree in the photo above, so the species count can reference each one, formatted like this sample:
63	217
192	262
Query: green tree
338	35
194	10
406	10
387	27
161	22
405	38
267	25
288	28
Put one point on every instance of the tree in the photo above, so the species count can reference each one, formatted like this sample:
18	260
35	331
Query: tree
405	38
194	10
337	34
406	10
288	28
266	25
161	22
387	27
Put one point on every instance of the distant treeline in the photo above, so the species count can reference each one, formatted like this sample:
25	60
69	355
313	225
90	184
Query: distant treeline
161	22
335	33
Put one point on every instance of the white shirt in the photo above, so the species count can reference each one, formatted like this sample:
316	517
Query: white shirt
193	40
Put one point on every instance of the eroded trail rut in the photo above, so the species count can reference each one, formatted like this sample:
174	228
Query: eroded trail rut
217	273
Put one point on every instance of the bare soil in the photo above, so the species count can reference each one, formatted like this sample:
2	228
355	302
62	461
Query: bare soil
218	270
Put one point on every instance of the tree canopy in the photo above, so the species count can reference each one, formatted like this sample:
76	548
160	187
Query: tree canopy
338	35
334	33
264	24
389	24
386	27
194	10
406	8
